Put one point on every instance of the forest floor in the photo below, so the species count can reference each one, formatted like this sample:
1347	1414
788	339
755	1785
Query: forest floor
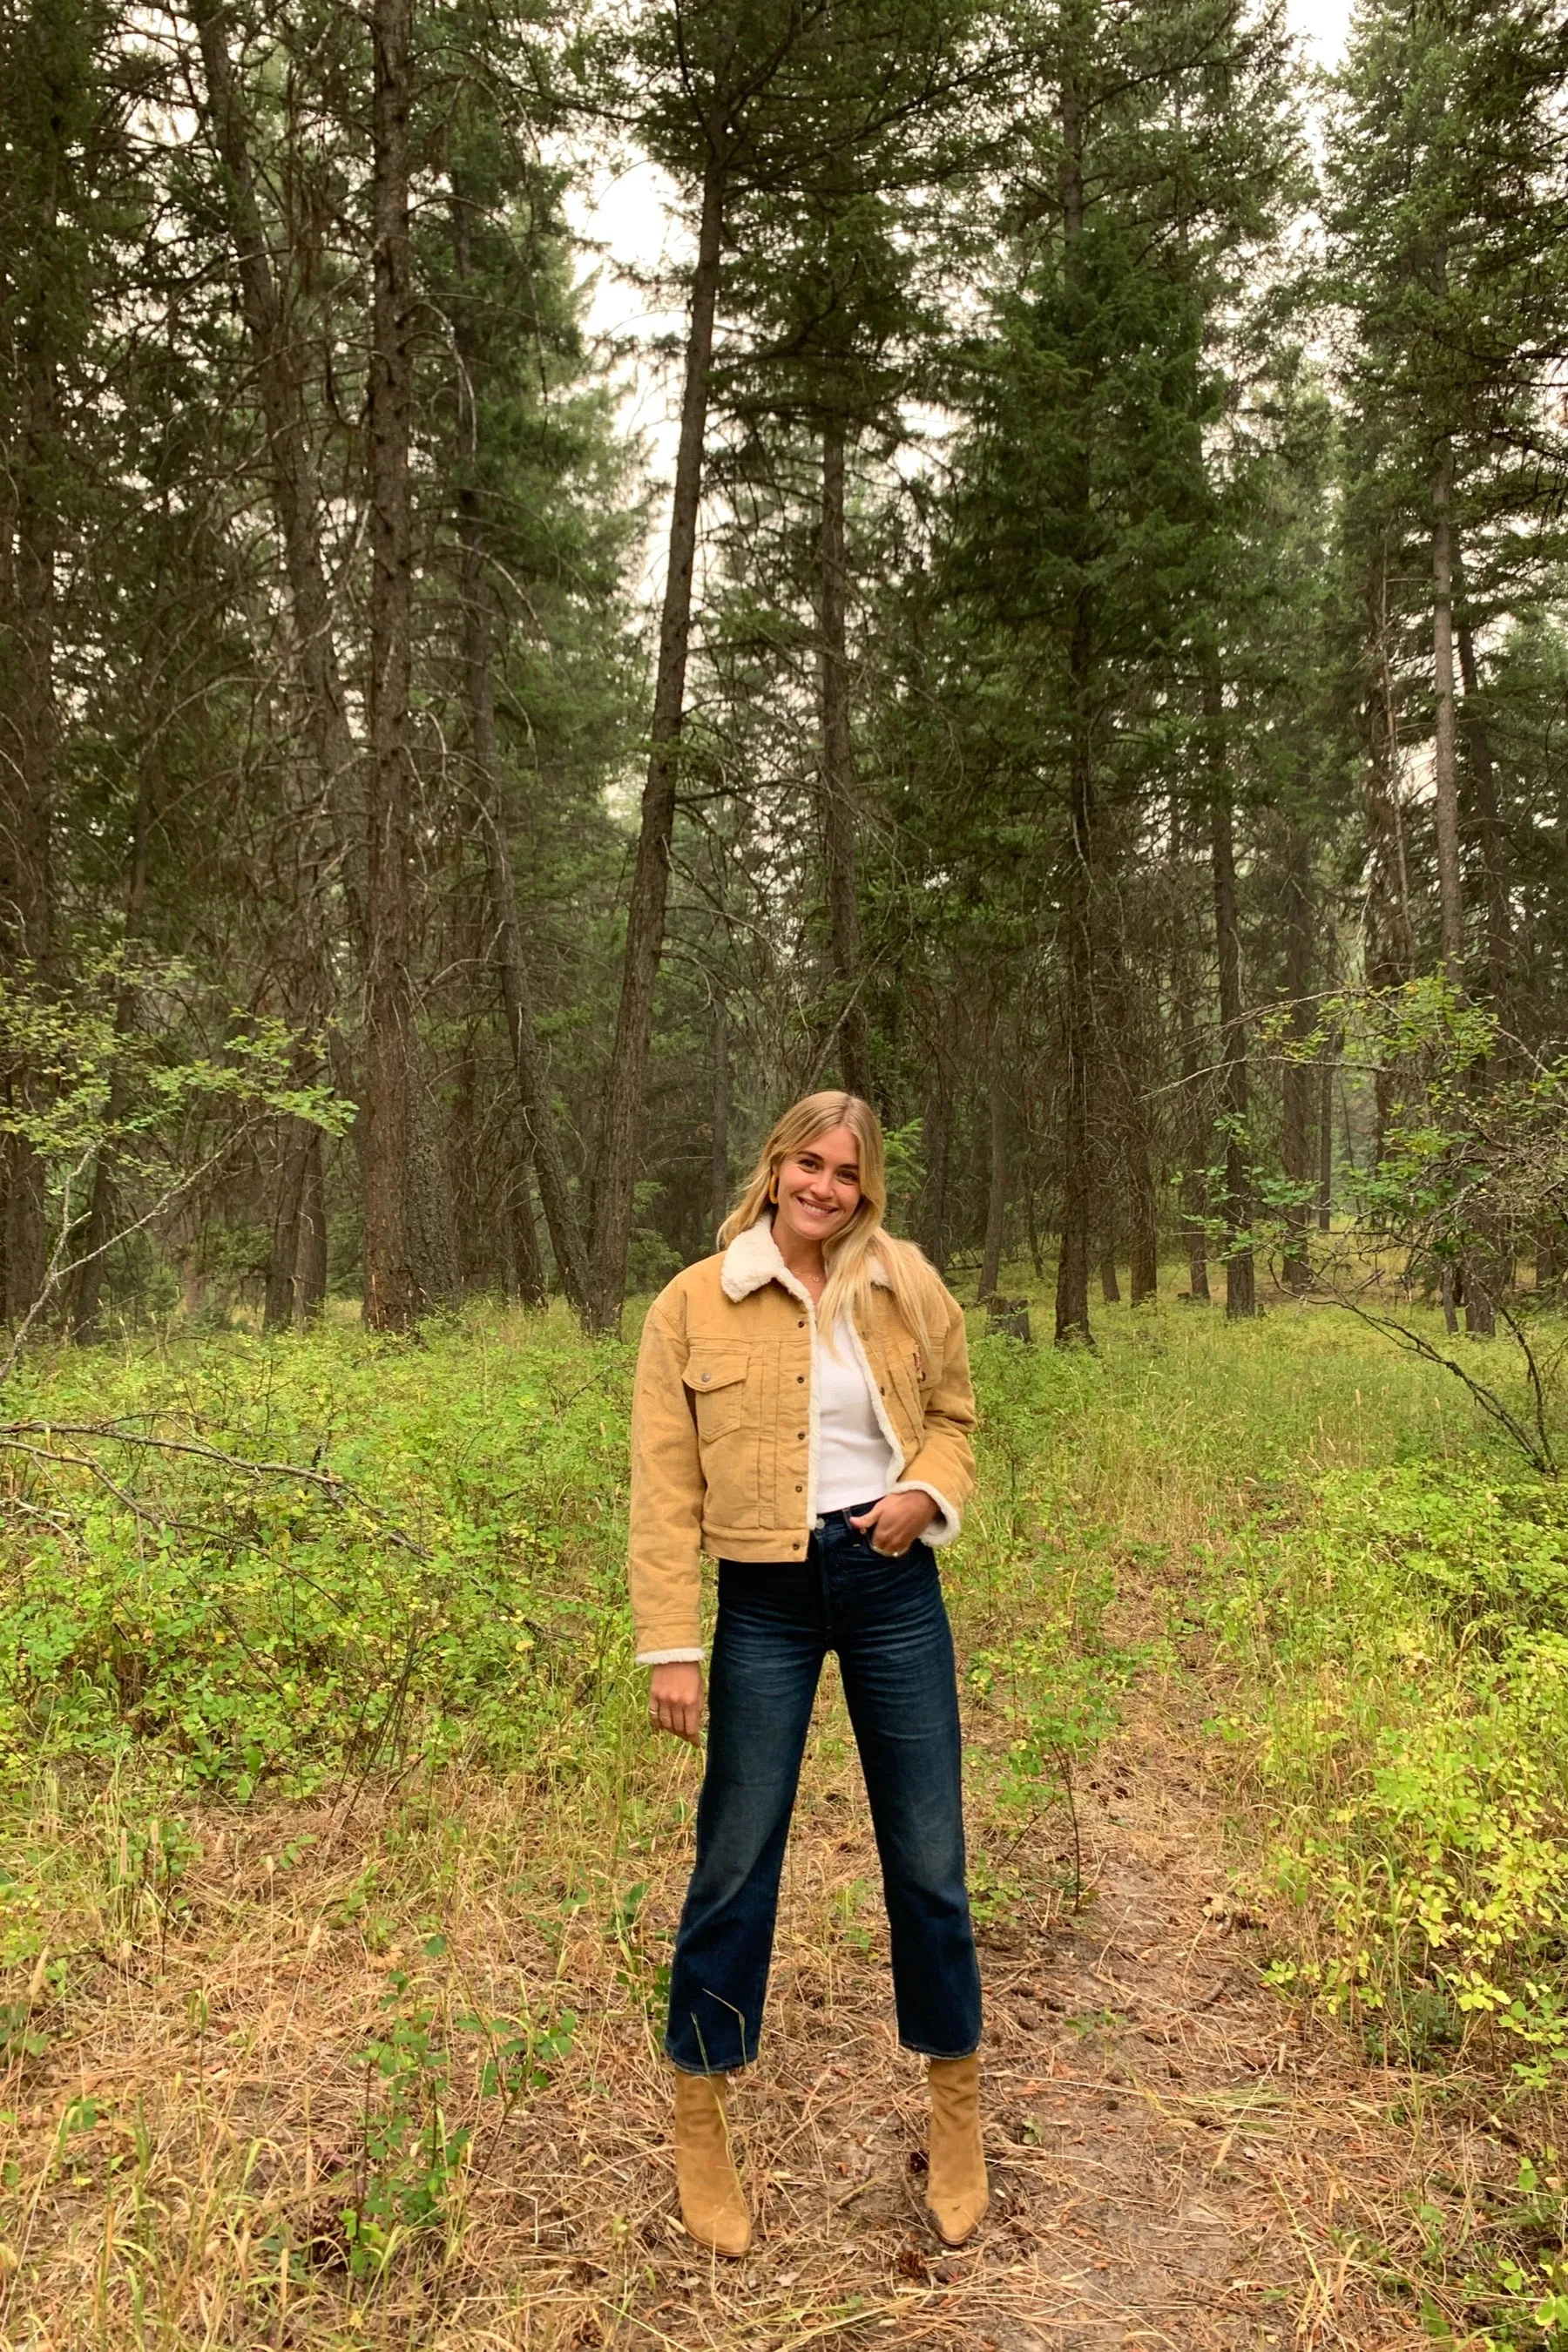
250	2126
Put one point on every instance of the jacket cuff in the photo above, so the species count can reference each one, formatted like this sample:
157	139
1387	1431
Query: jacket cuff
949	1521
669	1657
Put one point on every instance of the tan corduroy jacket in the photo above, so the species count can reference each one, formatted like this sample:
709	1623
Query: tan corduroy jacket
724	1425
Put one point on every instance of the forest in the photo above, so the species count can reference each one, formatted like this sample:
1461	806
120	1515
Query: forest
1055	619
1108	646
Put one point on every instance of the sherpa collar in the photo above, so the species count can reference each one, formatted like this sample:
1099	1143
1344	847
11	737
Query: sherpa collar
753	1260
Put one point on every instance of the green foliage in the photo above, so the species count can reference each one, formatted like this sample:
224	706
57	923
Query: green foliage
411	2161
241	1628
1408	1719
143	1101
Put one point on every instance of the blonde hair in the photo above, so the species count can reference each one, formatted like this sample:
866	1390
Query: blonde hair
864	1242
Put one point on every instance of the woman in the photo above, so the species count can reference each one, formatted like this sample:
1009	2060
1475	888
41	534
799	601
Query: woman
801	1413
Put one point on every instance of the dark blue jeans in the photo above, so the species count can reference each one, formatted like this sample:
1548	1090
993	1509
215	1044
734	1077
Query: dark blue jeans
887	1621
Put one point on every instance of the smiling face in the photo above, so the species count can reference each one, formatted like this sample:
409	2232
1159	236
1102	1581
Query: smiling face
819	1189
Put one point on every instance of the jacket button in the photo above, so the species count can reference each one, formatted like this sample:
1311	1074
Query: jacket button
800	1490
800	1432
800	1322
800	1379
707	1376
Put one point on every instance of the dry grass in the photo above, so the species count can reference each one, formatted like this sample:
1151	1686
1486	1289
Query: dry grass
1178	2157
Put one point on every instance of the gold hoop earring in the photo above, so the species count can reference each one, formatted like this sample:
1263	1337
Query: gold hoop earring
773	1191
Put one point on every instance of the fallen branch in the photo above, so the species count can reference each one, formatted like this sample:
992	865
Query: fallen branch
338	1491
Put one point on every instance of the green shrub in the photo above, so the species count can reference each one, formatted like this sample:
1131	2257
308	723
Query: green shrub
1407	1641
451	1575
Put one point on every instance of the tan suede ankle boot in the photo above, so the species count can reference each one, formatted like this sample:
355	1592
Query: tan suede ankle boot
957	2191
712	2205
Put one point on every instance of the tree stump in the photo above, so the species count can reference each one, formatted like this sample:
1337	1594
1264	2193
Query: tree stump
1010	1316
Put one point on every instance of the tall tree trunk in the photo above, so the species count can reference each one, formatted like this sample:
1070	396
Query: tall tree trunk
392	1299
1444	777
1240	1289
532	1090
838	774
719	1170
90	1249
311	1262
27	768
1194	1192
1032	1223
422	1218
1391	942
1194	1125
1077	1023
428	1250
1485	1276
1109	1287
617	1170
295	487
1326	1150
1143	1234
996	1194
283	1296
1482	780
527	1264
1079	910
544	1153
1480	1270
937	1127
1296	1082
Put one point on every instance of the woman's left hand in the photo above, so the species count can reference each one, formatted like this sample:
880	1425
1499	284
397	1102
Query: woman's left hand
896	1522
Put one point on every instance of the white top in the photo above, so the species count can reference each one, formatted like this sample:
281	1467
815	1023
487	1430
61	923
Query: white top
855	1464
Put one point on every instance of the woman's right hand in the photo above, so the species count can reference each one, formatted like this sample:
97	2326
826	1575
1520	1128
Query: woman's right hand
675	1699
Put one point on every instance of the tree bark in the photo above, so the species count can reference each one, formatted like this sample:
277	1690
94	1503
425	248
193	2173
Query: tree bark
27	767
719	1170
1296	1082
392	1293
88	1289
937	1130
996	1194
282	1296
1079	910
1077	1022
1193	1140
1240	1287
1391	943
650	878
1326	1150
1444	779
544	1152
528	1264
310	1263
429	1270
295	487
532	1090
838	774
1109	1287
1143	1237
1482	780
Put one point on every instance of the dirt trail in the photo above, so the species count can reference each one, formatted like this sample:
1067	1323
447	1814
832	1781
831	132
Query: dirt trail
1177	2160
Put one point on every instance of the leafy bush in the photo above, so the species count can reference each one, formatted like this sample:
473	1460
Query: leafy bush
1410	1721
273	1562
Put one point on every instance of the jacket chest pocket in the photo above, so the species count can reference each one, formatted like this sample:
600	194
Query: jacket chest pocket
905	1386
717	1380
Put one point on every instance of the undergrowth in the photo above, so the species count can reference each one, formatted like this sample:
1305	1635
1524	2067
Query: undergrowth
314	1657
